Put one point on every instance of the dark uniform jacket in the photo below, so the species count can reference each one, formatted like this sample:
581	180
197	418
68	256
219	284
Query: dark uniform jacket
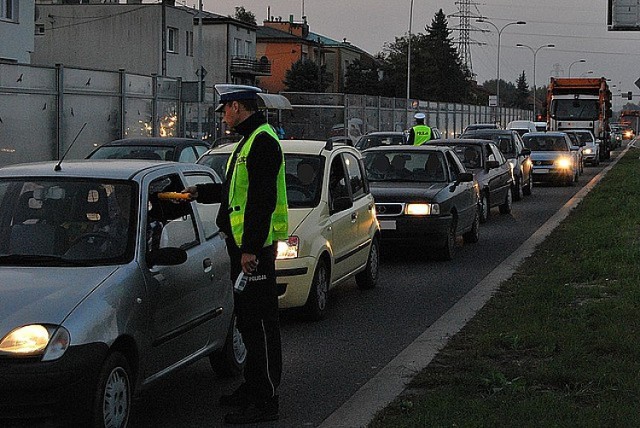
263	164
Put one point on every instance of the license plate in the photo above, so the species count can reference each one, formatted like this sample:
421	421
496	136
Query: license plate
388	224
541	171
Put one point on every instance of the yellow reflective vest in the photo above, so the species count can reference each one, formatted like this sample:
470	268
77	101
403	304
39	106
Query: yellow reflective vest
421	134
239	187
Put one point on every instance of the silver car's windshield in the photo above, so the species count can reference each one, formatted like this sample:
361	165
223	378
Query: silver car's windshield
423	167
66	222
543	143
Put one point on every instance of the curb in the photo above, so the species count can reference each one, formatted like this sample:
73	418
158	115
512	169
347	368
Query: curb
392	380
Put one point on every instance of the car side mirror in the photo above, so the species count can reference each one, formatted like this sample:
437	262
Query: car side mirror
525	152
575	148
492	164
341	203
169	256
465	177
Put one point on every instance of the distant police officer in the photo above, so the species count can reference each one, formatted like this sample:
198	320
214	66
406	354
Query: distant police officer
253	216
420	133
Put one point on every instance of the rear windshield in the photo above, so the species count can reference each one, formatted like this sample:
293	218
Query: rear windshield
405	166
369	141
134	152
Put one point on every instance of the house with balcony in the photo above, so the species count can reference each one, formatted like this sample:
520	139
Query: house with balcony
229	50
16	30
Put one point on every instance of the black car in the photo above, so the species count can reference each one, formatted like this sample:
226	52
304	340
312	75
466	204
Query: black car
152	148
423	195
474	126
490	169
512	147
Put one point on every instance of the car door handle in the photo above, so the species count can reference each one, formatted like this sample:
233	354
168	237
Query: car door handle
206	265
354	216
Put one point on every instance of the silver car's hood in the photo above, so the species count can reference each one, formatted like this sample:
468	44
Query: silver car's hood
44	295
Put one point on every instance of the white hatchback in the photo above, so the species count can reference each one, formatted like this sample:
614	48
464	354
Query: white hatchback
333	230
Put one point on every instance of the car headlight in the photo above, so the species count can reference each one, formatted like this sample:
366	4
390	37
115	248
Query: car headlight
564	163
588	151
288	249
33	340
423	209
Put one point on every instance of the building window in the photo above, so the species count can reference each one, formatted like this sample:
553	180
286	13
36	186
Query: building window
172	40
237	47
9	10
189	39
247	48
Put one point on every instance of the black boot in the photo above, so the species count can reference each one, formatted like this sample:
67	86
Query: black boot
260	411
238	398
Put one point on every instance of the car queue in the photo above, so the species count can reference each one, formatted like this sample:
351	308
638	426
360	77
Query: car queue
159	276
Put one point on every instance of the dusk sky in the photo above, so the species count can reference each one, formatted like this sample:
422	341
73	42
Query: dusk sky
577	28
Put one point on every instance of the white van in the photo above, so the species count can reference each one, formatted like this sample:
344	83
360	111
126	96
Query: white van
522	126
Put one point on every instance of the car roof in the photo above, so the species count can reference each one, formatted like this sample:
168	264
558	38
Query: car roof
460	141
548	133
306	147
488	131
112	169
155	141
377	133
405	148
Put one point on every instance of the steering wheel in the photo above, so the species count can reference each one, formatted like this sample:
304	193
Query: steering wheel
87	237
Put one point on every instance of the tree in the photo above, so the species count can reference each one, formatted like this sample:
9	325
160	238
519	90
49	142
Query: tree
244	15
306	76
437	73
522	92
361	79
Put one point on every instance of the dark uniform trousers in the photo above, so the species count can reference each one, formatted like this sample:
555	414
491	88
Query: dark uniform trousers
258	322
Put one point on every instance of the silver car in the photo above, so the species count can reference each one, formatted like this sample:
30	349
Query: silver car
554	157
106	287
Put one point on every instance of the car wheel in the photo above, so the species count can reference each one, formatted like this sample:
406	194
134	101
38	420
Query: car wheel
369	276
316	305
526	190
517	189
230	360
112	400
505	208
447	251
473	236
485	211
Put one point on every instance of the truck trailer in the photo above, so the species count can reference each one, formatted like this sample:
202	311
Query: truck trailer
581	103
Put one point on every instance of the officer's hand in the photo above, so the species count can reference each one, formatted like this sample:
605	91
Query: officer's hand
249	263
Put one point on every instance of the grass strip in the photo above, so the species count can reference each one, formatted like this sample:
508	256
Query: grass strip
559	343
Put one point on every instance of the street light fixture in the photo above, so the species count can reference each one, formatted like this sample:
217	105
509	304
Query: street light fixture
499	30
586	72
409	63
575	62
535	53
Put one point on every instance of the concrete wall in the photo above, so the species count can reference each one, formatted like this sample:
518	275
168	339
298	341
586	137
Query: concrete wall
17	36
112	37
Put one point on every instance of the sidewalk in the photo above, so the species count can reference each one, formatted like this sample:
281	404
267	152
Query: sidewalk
393	379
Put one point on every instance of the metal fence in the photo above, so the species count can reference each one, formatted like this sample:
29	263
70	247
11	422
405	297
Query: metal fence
43	110
47	111
319	115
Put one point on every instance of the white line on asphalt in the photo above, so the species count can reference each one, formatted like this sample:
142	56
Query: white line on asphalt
392	380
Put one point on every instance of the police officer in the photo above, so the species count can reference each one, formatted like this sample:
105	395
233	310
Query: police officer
253	216
420	133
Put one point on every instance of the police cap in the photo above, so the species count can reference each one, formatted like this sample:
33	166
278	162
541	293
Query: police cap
419	116
235	92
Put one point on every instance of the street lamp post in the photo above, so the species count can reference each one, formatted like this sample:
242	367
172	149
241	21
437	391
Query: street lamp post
409	63
535	53
575	62
499	30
